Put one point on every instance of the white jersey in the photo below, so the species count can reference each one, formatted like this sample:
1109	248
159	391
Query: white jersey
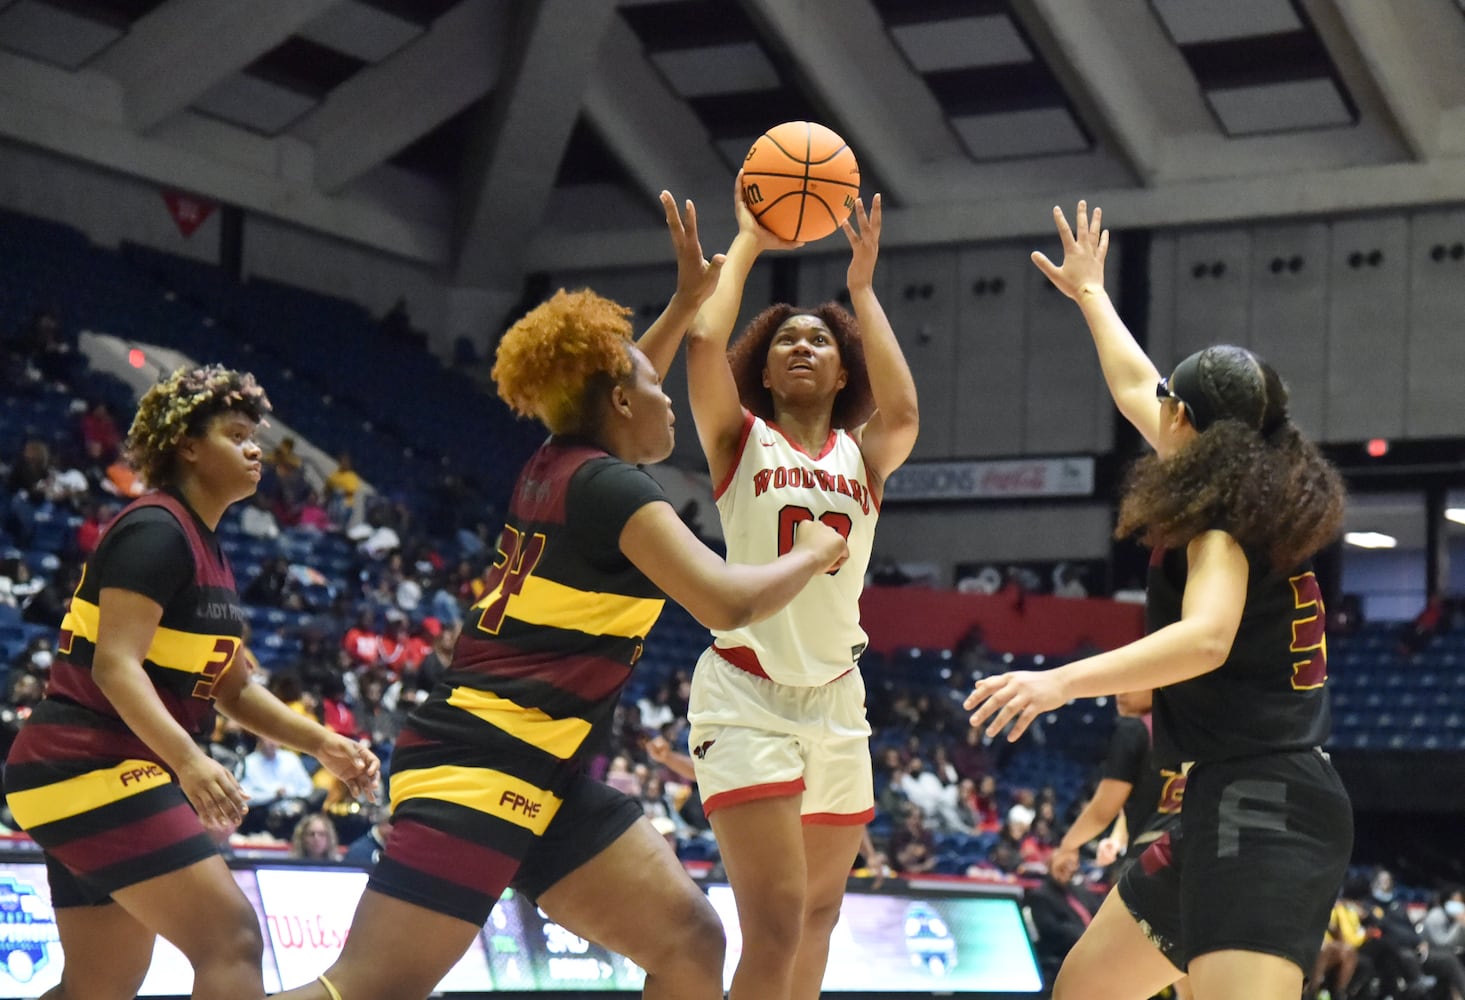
772	487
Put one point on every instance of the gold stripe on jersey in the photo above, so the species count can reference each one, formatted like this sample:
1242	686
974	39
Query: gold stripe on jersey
85	792
544	602
481	789
174	649
561	737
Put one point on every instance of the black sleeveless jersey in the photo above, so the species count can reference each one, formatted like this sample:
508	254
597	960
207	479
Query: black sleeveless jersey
1269	693
159	548
546	651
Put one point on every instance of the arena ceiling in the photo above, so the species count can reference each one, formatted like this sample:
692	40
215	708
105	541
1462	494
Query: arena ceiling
487	138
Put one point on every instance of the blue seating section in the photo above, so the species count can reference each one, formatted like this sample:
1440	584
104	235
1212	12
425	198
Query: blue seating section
1384	698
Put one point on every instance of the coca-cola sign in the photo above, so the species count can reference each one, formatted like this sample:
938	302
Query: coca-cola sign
1002	479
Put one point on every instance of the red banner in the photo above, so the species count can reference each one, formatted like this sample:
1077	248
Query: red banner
189	212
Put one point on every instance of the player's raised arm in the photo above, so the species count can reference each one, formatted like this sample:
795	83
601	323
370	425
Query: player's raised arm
716	408
1130	374
888	436
696	279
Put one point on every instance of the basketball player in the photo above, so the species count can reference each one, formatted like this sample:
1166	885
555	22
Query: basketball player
1137	795
801	421
488	788
108	775
1234	504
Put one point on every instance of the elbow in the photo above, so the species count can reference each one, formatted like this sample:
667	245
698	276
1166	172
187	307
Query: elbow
729	616
1212	647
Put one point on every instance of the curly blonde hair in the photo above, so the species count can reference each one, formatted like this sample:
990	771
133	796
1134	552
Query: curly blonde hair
550	363
181	406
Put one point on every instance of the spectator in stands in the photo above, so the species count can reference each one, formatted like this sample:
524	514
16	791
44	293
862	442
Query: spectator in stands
912	845
1062	909
101	438
311	516
18	585
335	709
362	641
1397	948
258	520
1337	960
26	485
442	636
366	850
1444	924
656	709
314	839
277	787
1006	853
94	519
271	586
49	604
52	353
398	651
657	803
380	721
969	756
36	657
342	487
986	807
935	799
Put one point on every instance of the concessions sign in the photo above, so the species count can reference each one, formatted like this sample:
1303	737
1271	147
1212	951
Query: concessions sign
1004	479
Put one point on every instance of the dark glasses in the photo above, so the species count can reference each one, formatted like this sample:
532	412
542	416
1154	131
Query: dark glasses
1162	391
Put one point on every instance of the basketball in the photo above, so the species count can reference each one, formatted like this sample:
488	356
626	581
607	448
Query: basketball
800	180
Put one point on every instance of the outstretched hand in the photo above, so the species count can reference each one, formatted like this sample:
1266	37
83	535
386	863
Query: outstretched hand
747	223
1084	249
1017	697
864	244
352	762
696	275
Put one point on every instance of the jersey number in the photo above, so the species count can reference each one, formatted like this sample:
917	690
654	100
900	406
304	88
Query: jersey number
791	516
1308	634
518	556
224	650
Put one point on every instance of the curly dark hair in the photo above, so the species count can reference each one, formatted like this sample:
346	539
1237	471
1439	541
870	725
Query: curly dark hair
1249	472
181	406
748	356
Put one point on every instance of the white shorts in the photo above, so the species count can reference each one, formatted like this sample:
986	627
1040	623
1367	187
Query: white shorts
753	738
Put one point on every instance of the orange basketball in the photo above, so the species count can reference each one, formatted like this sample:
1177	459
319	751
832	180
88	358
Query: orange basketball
800	180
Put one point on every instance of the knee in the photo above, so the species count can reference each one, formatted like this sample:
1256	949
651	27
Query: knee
240	940
694	938
820	916
774	919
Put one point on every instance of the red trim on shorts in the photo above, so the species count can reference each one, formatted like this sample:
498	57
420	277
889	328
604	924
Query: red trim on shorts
732	470
1157	856
131	840
752	793
450	857
743	658
839	819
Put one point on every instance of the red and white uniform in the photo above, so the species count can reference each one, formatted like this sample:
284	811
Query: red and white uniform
775	486
778	707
